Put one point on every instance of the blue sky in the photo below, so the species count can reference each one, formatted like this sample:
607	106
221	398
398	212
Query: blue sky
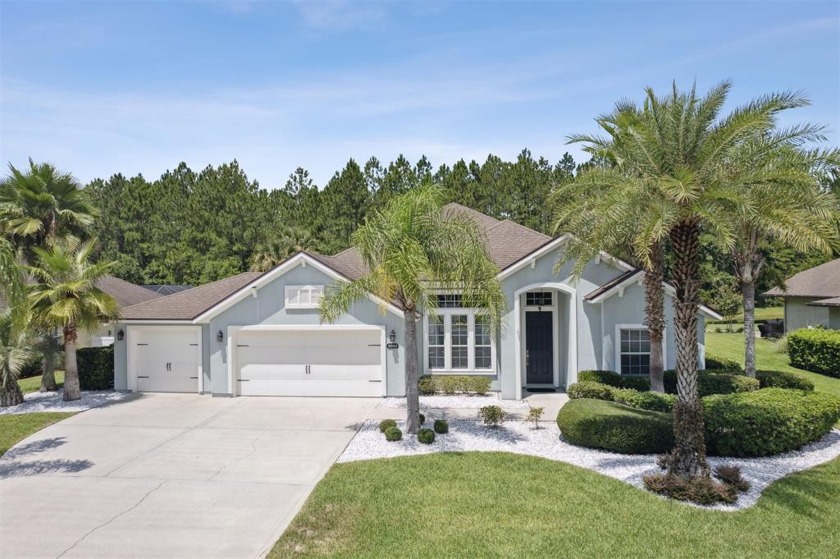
137	87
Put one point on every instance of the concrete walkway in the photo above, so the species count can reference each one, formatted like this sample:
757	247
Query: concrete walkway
170	476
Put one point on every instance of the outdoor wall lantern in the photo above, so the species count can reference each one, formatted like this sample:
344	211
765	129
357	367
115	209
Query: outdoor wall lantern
220	336
120	335
392	337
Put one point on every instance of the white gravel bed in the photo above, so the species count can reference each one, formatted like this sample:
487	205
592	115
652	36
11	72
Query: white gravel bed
51	401
459	402
521	438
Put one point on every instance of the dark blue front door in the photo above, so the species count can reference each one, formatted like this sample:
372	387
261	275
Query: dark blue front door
539	347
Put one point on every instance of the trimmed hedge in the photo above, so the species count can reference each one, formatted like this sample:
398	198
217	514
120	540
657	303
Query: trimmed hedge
709	383
453	384
96	367
815	349
714	363
615	427
611	378
627	396
768	421
783	379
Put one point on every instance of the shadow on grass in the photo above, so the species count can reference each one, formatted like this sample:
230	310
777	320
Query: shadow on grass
803	493
20	469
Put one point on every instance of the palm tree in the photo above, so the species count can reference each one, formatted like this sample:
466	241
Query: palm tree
413	251
65	296
15	351
603	219
12	282
680	155
787	206
289	242
37	207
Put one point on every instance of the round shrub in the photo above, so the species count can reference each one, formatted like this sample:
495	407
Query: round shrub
426	436
782	379
719	363
393	434
644	400
610	378
767	421
426	385
709	383
615	427
590	389
385	424
441	426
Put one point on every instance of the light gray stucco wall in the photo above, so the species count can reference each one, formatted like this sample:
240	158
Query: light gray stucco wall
269	308
799	315
834	318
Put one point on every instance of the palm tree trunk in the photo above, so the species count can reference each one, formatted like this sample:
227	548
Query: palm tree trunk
412	390
688	459
47	368
748	292
10	394
655	316
71	370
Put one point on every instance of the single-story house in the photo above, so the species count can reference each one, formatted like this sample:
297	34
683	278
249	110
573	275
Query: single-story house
260	333
125	294
812	297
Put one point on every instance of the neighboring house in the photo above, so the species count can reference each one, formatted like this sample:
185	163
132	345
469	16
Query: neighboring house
260	333
126	294
812	297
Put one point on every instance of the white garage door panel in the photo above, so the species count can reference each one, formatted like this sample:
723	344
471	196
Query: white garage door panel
166	359
309	363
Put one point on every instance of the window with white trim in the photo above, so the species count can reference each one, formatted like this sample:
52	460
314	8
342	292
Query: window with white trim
303	296
635	351
459	339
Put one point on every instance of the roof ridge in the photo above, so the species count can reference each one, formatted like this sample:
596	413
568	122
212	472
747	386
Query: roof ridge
508	220
162	297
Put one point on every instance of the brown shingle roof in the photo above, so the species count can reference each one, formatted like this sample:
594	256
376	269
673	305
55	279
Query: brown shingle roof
482	220
833	302
188	304
125	293
610	284
348	262
508	242
820	281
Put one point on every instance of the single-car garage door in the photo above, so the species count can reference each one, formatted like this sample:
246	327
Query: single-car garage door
319	362
166	359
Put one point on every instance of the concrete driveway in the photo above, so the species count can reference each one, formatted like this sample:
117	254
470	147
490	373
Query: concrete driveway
170	476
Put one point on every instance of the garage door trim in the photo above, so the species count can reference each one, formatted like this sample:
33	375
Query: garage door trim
130	334
233	335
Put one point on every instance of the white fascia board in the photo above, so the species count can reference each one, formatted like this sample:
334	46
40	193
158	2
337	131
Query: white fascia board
710	313
153	321
291	263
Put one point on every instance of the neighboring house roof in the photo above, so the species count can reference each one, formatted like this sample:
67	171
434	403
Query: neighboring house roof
125	293
166	289
186	305
819	281
833	302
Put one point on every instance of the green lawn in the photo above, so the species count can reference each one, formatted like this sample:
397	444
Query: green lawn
731	346
505	505
32	384
14	428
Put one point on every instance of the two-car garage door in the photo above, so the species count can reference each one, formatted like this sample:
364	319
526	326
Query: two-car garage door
315	362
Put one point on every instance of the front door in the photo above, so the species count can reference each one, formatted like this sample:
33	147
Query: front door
539	347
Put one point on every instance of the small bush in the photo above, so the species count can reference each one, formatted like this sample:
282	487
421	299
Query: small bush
96	367
492	416
422	419
479	385
713	382
815	349
426	436
386	424
393	434
719	363
426	385
702	490
783	379
610	378
448	385
768	421
644	400
781	344
534	414
731	475
615	427
591	389
441	426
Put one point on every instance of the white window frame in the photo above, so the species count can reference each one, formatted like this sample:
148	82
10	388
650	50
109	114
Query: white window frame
311	290
446	315
617	343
